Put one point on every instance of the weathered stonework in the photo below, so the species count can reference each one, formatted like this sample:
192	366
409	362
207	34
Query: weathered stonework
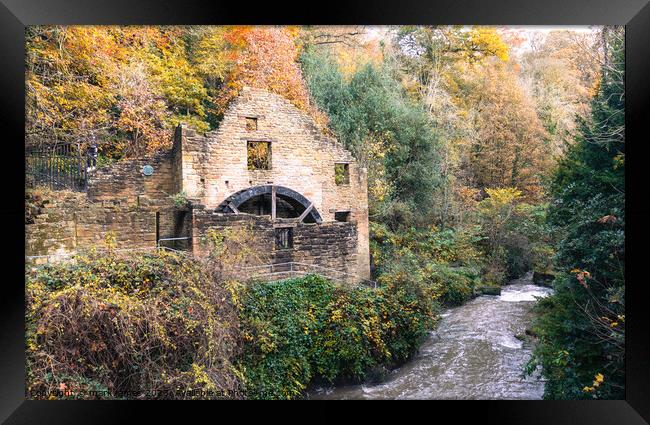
330	245
124	183
211	168
67	221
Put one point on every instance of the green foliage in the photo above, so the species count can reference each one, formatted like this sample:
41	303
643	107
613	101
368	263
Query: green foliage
306	330
154	325
180	199
447	263
582	327
517	236
458	284
384	129
341	175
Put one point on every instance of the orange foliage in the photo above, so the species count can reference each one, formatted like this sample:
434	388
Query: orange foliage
266	58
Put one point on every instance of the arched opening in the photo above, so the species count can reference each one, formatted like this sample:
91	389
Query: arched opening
279	202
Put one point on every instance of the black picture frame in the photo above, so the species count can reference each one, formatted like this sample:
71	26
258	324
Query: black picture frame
16	14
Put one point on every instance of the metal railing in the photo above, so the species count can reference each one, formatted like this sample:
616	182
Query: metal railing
57	166
159	245
290	269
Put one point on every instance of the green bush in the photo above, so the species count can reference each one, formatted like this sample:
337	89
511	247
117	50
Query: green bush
517	238
179	199
306	330
447	262
458	283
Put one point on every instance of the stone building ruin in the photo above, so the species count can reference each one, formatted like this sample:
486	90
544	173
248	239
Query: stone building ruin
267	166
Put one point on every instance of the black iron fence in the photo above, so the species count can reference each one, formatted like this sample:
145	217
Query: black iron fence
58	166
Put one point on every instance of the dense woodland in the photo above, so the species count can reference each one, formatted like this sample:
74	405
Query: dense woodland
490	152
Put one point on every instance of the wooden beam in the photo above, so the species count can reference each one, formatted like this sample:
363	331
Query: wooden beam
233	208
304	214
273	198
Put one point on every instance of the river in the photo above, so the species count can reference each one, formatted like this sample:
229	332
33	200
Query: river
473	354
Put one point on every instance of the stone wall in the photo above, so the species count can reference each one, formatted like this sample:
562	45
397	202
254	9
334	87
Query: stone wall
123	186
261	227
60	223
331	245
123	182
50	227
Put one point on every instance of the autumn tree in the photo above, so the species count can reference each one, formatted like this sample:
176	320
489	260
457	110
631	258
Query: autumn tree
141	112
67	82
176	79
470	84
561	71
128	86
352	47
267	58
509	147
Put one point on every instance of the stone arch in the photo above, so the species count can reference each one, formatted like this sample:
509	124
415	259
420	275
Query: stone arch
302	207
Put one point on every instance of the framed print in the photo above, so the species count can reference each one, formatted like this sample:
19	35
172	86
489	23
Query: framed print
414	201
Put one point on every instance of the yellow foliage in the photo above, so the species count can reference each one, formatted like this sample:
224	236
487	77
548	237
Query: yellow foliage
488	40
506	195
499	198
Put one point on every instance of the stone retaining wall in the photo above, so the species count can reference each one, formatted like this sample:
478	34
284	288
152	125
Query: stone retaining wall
124	183
331	245
63	222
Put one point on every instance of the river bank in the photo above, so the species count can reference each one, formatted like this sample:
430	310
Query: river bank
473	354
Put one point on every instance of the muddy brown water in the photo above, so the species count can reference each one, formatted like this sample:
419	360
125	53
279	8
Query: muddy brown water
473	354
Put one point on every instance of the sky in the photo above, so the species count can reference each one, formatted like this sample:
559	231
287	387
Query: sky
525	31
529	31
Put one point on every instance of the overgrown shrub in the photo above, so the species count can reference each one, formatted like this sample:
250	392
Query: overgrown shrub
179	199
517	237
305	330
147	325
158	325
456	285
447	262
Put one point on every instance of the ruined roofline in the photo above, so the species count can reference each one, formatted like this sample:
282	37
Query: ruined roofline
307	118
